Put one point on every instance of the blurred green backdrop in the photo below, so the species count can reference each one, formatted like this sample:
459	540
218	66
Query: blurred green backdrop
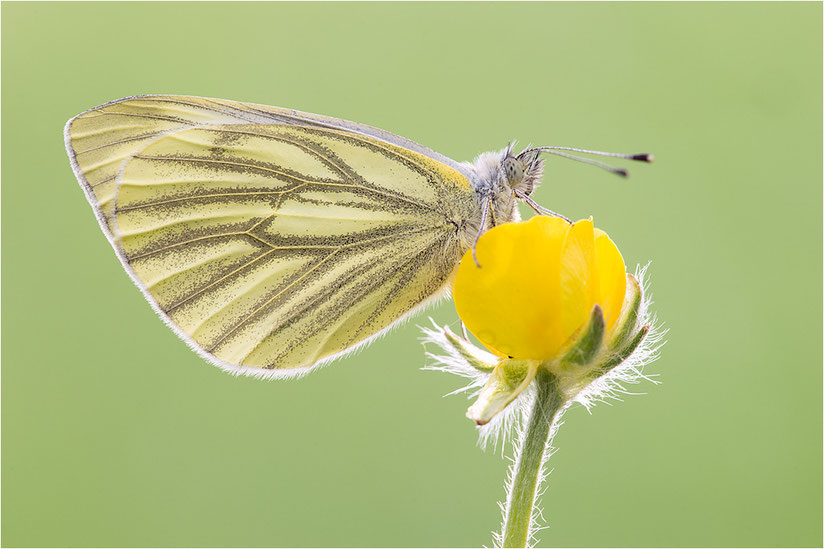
114	433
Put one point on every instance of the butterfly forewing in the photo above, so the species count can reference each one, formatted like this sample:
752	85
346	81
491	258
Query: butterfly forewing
271	247
99	140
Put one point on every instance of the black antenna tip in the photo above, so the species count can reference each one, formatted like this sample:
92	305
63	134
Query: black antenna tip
622	172
643	157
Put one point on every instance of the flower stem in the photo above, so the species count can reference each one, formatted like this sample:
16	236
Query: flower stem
527	475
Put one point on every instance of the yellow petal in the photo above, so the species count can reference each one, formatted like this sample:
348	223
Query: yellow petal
511	302
580	287
613	277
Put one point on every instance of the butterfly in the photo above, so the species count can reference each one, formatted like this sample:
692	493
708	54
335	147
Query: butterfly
273	241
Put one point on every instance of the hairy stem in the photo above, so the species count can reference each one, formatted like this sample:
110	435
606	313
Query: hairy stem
530	461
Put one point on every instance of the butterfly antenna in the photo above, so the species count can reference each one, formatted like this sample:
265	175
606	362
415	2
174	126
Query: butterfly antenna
641	157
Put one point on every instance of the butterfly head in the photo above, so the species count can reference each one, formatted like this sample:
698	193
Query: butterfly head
523	172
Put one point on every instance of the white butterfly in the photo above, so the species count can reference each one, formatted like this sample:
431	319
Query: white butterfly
273	241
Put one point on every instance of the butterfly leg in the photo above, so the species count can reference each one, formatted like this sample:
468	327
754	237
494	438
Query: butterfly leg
484	211
538	208
463	331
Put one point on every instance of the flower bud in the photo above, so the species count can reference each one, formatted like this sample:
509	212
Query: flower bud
547	294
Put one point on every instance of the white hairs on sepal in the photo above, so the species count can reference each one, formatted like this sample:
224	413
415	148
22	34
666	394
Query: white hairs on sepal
612	385
497	432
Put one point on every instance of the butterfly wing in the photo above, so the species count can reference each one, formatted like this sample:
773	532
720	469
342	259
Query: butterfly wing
269	247
100	139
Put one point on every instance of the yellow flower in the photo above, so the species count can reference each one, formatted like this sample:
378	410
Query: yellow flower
538	285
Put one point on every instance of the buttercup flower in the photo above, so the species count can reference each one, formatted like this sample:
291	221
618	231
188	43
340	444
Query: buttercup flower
564	323
548	294
537	285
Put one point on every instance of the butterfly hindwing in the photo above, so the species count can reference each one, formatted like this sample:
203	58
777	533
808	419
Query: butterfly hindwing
272	247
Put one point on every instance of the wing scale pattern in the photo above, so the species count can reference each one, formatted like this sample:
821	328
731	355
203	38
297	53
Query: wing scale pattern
269	247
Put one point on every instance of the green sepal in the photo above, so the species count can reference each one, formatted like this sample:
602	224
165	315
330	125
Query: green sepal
626	328
587	345
621	355
464	349
509	378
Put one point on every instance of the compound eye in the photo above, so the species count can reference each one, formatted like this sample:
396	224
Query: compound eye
514	170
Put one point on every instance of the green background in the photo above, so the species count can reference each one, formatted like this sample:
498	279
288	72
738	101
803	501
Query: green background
114	433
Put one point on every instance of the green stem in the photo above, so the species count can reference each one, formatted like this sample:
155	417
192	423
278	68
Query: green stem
548	404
